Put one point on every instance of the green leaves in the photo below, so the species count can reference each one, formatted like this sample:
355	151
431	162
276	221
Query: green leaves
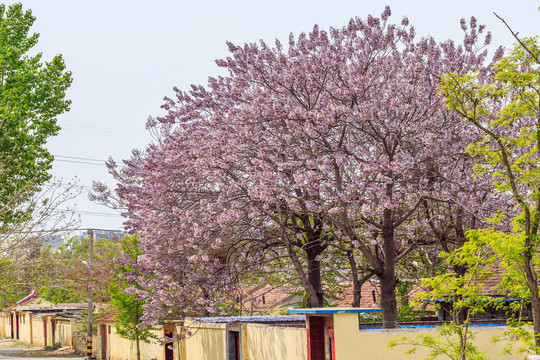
447	343
129	308
32	95
504	106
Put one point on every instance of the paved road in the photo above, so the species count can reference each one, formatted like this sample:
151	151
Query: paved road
10	349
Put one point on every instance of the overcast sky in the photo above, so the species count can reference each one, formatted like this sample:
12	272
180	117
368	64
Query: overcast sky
126	56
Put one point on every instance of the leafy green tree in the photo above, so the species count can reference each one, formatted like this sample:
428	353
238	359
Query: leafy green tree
464	291
129	308
504	105
60	275
32	95
34	267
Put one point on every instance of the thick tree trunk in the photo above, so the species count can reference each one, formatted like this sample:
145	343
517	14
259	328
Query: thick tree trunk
388	276
314	278
311	280
388	300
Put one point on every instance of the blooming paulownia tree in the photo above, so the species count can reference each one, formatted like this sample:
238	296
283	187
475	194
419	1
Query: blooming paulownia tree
339	138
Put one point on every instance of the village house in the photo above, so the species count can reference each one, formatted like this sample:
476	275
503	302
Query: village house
279	337
338	334
40	322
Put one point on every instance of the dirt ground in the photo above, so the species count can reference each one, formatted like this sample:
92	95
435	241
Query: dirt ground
13	349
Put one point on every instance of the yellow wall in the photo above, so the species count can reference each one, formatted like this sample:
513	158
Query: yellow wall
49	325
25	323
120	349
265	342
352	343
63	334
5	327
64	331
206	341
37	331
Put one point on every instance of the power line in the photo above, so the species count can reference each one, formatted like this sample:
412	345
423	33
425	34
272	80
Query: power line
88	212
80	162
97	213
77	158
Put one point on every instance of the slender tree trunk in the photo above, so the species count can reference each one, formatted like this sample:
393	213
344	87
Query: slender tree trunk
532	282
357	282
137	341
137	319
388	276
463	342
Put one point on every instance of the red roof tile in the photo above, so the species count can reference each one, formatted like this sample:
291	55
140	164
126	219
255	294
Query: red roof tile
108	317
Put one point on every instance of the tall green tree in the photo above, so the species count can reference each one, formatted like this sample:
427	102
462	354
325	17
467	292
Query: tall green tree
504	105
129	308
32	95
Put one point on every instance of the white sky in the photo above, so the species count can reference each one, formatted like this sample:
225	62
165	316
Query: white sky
127	55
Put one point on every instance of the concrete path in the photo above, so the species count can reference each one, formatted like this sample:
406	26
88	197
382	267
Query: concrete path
12	349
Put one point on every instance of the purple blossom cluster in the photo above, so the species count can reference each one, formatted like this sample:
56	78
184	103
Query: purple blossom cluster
333	156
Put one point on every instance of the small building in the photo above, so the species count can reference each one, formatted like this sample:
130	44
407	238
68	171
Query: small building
210	338
36	321
325	328
274	337
108	345
341	334
19	323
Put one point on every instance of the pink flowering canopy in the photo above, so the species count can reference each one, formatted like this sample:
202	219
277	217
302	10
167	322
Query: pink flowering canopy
301	160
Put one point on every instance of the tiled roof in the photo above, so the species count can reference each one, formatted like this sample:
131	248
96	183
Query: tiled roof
493	282
253	319
262	298
29	303
72	305
371	292
108	317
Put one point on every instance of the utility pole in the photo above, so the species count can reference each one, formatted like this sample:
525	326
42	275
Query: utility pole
90	306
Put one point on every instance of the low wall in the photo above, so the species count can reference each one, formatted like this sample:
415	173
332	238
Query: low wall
65	328
266	342
206	341
118	348
4	325
353	343
79	343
